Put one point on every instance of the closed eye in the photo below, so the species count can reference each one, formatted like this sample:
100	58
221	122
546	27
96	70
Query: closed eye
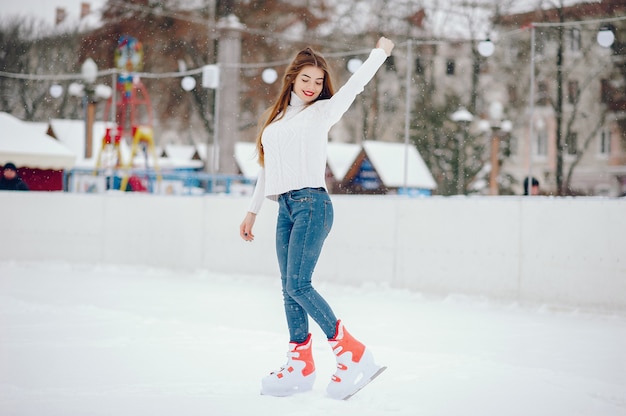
306	78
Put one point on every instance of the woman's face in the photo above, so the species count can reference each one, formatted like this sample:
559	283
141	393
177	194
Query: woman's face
309	83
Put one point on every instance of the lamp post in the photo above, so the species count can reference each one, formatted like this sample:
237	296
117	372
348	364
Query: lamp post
211	80
497	126
463	118
91	93
407	115
89	71
227	93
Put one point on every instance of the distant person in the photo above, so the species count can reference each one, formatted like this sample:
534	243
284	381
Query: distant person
10	180
135	184
292	152
534	187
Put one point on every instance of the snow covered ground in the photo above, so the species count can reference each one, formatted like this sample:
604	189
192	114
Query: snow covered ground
119	340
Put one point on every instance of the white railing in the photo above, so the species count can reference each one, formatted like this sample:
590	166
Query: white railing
567	251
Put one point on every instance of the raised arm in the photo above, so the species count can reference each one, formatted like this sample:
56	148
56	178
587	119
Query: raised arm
344	97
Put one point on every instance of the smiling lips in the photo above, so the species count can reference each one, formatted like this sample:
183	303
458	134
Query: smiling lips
308	93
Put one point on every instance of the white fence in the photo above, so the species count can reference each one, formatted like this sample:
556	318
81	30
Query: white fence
561	251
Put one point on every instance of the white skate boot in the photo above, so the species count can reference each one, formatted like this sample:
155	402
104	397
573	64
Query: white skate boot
297	376
355	365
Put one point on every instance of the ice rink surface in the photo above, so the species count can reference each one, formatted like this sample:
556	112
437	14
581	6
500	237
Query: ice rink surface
96	340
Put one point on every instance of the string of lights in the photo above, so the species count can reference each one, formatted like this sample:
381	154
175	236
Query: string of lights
149	75
196	71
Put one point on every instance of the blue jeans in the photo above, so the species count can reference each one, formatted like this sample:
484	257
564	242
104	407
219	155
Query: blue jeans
305	217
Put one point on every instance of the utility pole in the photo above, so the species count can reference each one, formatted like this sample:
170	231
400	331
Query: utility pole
227	93
560	147
210	156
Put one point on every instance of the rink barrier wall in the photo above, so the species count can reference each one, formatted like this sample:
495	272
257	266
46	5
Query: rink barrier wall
560	251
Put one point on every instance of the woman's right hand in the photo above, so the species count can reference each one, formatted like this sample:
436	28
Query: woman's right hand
245	229
385	44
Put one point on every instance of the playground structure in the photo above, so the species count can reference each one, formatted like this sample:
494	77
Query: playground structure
132	117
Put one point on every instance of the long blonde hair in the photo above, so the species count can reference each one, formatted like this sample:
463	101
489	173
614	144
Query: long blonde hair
304	58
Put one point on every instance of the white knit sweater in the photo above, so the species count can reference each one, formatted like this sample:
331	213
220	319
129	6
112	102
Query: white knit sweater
295	146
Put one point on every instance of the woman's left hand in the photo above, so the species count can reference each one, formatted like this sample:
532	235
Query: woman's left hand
245	229
385	44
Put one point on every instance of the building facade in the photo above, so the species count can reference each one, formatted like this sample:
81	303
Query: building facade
574	125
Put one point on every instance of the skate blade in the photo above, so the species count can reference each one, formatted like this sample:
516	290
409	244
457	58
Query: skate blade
365	382
284	392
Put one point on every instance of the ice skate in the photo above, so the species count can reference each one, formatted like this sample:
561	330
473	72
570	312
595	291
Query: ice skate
355	365
297	376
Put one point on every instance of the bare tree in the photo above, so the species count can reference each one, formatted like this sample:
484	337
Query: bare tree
592	132
567	67
32	55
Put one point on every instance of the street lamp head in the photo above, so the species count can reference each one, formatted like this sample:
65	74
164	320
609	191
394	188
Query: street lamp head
103	91
56	90
495	111
89	71
269	75
486	48
605	37
75	89
188	83
354	64
462	116
484	125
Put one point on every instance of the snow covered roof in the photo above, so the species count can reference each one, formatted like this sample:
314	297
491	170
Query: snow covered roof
389	161
341	156
72	134
246	158
27	145
180	151
387	158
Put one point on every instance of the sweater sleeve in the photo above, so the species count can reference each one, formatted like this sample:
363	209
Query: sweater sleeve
259	193
345	96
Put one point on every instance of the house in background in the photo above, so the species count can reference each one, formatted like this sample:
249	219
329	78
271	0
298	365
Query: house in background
341	157
246	158
180	151
372	167
387	168
71	133
592	145
41	160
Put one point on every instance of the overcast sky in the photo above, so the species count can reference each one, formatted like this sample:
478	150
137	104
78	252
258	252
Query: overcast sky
45	9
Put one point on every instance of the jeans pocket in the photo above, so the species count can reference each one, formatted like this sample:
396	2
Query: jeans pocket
299	198
301	195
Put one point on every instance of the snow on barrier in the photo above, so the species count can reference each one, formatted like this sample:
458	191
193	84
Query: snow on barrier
562	251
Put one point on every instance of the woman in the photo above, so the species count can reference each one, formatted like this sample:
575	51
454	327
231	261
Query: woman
292	153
